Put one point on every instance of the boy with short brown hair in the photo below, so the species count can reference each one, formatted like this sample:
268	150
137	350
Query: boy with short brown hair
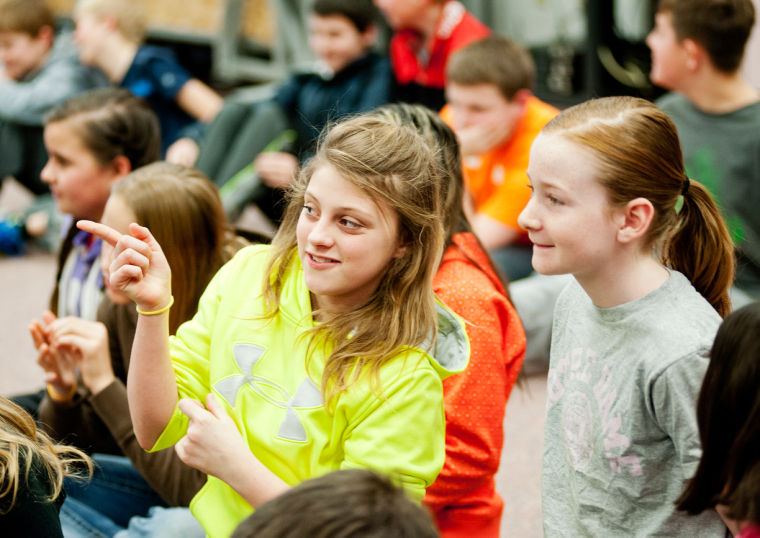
38	71
350	503
496	117
697	48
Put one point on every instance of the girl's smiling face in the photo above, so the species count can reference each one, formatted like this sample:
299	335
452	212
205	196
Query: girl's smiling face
345	241
78	181
569	219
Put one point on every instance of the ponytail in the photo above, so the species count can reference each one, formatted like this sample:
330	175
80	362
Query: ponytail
701	247
639	155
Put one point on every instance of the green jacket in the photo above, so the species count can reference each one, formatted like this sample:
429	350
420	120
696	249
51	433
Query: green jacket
257	368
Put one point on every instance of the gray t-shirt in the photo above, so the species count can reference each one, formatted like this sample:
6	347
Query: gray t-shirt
722	151
621	436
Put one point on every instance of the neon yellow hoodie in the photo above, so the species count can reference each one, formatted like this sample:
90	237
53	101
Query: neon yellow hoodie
257	368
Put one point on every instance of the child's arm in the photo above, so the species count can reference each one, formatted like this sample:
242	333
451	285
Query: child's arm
199	101
203	104
277	168
140	270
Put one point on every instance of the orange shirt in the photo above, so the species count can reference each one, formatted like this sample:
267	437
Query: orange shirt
497	179
463	498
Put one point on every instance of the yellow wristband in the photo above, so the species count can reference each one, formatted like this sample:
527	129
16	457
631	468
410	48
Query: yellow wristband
62	398
157	312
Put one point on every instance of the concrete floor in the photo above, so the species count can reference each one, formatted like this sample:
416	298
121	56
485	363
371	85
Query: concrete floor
25	284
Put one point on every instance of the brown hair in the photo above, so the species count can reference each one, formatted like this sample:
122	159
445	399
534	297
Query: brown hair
22	445
129	15
112	122
351	503
444	142
728	415
25	16
182	209
493	60
639	155
361	13
722	27
394	164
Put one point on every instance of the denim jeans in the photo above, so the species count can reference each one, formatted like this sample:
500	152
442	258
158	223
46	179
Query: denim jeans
105	504
79	520
163	522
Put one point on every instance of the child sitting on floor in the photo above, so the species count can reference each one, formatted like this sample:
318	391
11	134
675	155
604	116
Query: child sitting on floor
110	35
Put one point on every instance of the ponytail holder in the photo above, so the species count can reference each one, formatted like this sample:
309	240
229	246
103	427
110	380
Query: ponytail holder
685	186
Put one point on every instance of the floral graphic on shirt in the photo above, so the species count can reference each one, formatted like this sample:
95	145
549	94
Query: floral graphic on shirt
592	427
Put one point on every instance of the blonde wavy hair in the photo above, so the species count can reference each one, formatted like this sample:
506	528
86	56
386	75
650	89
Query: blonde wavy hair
22	445
394	164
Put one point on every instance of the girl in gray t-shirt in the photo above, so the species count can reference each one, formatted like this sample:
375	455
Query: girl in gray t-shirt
652	262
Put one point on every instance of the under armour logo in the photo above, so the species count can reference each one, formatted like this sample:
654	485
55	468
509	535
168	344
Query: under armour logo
307	395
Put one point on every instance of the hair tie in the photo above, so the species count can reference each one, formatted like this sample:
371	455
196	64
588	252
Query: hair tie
685	186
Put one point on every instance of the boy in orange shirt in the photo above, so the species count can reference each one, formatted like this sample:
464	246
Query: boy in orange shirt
496	117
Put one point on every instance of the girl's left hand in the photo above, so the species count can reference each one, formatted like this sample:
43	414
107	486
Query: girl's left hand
213	443
87	342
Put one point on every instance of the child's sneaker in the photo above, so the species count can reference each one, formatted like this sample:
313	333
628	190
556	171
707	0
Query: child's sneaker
11	237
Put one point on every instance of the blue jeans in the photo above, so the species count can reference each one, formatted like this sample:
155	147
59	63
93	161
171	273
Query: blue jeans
105	504
163	522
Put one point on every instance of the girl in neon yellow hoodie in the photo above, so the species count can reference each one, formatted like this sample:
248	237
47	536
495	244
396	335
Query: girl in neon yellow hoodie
323	351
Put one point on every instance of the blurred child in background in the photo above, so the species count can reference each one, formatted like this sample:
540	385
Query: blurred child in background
491	107
110	35
38	71
349	78
426	34
93	141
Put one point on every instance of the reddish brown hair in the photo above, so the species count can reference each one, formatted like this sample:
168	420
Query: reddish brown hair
639	156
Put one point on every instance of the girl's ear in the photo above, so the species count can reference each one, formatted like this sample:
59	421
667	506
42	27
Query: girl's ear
636	216
121	166
400	251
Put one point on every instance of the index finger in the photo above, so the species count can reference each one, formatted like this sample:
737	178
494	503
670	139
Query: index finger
192	408
106	233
